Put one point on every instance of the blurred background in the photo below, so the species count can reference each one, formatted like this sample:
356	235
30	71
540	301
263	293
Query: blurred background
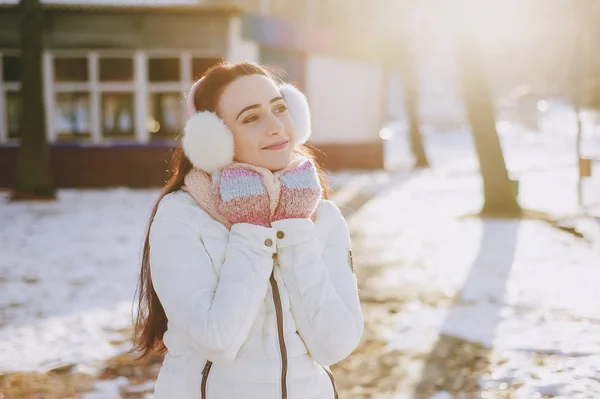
461	139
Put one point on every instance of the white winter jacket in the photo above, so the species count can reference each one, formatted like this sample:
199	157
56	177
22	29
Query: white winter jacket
254	312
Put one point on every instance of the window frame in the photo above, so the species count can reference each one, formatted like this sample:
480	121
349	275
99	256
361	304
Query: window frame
140	87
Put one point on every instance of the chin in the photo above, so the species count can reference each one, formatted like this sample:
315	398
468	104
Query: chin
276	162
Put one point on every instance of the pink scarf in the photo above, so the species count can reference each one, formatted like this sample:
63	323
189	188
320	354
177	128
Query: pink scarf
199	185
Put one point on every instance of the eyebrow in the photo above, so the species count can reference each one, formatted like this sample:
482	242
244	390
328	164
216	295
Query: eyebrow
249	107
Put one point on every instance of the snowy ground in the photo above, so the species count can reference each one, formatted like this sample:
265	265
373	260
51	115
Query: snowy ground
543	161
524	289
68	273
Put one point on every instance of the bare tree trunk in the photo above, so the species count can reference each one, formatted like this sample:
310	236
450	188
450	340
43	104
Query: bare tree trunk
34	177
497	188
416	137
406	62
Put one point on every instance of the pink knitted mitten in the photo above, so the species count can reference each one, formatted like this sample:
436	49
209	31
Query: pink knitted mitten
300	192
242	196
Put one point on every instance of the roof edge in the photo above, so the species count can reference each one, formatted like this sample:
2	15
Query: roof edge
177	8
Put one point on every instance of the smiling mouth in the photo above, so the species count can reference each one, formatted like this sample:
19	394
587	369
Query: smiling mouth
277	146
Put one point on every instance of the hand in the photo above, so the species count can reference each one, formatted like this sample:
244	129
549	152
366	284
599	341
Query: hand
300	192
242	196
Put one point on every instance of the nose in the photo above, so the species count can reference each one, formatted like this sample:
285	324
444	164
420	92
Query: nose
275	126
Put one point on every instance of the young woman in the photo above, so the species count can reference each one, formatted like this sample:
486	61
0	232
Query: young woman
247	280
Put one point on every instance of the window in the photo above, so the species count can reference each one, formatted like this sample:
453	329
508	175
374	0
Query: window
118	115
165	115
13	113
71	69
116	70
163	70
11	68
201	65
107	79
72	115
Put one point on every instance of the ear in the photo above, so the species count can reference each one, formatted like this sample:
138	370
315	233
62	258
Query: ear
207	142
298	107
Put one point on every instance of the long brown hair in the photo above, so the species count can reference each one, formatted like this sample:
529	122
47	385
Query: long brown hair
151	321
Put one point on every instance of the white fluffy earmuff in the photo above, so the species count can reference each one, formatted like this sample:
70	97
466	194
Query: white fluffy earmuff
208	142
298	108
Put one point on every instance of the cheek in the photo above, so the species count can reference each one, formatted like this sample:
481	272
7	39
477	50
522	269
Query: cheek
246	142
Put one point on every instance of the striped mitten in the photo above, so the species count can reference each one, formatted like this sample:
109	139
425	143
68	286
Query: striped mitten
242	196
300	192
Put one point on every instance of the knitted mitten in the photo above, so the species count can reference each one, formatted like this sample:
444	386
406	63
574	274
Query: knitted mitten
242	196
300	192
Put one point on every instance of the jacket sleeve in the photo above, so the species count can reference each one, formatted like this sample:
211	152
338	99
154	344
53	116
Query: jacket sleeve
217	312
322	286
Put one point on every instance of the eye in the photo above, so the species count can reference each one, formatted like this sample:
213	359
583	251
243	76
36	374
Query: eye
280	108
250	119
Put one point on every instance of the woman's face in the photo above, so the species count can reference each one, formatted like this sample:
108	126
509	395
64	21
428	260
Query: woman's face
263	130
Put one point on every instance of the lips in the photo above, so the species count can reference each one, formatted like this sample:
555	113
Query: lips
277	146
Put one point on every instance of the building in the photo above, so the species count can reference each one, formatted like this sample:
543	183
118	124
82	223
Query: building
115	73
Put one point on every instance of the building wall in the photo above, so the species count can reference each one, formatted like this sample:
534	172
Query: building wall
142	165
346	94
72	166
286	9
80	45
9	28
289	66
113	29
347	100
239	48
141	36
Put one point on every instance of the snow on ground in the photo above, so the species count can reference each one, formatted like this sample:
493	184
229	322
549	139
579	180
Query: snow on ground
68	273
525	289
543	161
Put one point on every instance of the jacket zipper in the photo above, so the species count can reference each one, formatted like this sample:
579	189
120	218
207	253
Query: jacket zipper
279	314
282	347
205	373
